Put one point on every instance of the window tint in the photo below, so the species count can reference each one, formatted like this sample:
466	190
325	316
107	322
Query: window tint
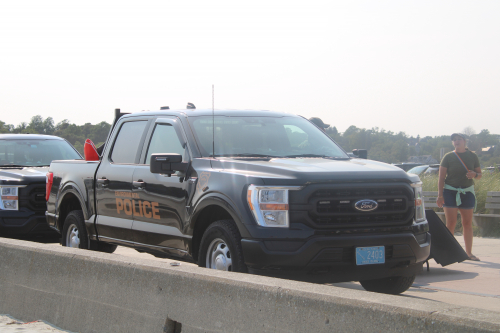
164	140
127	142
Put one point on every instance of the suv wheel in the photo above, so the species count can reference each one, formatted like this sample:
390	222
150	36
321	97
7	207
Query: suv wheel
220	248
391	285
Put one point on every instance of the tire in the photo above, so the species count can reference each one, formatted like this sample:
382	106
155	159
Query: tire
393	285
220	248
74	232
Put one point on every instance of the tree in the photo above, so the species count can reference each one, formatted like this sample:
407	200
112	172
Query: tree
469	131
4	128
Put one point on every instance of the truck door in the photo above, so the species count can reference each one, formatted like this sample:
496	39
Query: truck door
115	200
161	217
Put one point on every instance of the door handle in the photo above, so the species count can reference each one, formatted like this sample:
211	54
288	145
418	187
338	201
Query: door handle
138	184
103	181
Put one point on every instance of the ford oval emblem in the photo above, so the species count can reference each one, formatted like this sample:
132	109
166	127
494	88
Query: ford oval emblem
366	205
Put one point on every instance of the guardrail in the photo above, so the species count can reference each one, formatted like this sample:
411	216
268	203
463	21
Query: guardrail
86	291
483	221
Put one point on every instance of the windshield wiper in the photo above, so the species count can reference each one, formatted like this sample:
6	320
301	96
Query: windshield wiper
304	155
319	156
12	166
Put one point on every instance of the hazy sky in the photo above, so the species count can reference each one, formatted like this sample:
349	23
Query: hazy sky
421	67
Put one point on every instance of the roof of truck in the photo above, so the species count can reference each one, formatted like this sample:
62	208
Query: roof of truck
208	112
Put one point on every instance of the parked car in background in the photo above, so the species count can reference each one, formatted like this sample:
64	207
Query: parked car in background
24	162
423	170
492	169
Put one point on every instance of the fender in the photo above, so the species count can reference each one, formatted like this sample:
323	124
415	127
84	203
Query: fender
71	187
220	200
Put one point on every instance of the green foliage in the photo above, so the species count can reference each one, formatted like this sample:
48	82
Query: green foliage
75	134
393	147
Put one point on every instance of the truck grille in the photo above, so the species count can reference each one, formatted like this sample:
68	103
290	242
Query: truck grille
334	205
33	197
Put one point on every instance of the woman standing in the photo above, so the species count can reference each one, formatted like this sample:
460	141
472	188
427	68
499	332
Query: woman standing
456	188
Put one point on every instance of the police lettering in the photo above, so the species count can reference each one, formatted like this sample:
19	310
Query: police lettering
138	208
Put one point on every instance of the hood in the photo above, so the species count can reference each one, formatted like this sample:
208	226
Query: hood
23	176
315	170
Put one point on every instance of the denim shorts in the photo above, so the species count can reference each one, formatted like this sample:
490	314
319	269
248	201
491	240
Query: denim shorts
450	199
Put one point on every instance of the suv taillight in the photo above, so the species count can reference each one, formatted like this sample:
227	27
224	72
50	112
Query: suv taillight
49	179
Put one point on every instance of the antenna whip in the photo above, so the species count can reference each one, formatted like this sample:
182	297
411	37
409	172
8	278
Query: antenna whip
213	123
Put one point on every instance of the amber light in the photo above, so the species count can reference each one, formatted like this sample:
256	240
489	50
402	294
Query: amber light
418	202
249	199
9	197
273	206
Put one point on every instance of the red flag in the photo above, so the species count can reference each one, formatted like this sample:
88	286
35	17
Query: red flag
90	151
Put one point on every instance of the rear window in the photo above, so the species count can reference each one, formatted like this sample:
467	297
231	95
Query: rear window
21	152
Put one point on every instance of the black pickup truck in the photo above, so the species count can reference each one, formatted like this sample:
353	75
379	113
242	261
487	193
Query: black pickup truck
245	191
24	162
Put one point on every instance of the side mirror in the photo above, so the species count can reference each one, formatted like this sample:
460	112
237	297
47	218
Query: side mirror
360	153
167	164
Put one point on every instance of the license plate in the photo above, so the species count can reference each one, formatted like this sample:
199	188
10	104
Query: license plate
370	255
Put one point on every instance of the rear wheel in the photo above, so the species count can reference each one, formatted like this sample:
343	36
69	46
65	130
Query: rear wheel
74	232
220	248
391	285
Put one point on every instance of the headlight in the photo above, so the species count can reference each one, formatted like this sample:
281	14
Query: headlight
419	202
269	205
9	198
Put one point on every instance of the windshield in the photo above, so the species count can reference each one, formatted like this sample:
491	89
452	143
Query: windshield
35	152
263	137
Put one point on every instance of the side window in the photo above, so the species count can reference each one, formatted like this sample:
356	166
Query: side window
164	140
127	142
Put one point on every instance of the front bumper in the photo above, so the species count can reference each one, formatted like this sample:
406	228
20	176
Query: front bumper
24	224
333	257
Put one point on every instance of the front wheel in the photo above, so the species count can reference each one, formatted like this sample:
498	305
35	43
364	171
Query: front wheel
220	248
391	285
74	232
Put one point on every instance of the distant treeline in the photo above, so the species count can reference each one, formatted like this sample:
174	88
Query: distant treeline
390	147
385	146
75	134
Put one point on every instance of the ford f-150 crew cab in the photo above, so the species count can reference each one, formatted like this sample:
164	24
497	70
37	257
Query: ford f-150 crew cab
256	191
24	162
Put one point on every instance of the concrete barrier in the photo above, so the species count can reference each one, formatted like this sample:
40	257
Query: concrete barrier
86	291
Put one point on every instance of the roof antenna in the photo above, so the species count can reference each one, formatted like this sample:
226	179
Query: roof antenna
213	123
190	106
